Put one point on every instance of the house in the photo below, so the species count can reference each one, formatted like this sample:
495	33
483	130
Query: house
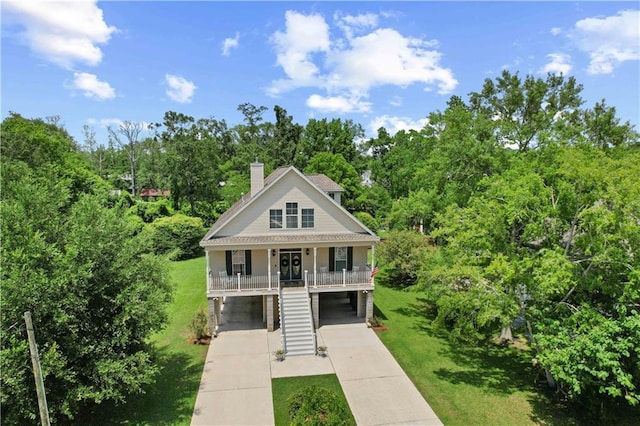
290	242
152	194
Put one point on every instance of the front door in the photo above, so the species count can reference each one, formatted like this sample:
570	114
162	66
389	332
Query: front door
291	265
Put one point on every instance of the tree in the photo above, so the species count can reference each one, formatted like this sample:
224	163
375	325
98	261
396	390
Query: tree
340	171
557	246
335	137
286	138
524	110
402	254
126	137
95	293
192	156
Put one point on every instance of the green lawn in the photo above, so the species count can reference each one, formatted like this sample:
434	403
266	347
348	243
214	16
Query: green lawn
483	385
285	386
171	399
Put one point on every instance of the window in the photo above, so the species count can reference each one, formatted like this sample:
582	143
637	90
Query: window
341	258
292	215
332	195
238	259
307	218
275	219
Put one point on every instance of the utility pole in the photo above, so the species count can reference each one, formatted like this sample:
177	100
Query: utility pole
37	372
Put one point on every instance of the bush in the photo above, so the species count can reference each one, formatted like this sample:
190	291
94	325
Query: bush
176	236
367	220
199	324
151	210
403	253
313	405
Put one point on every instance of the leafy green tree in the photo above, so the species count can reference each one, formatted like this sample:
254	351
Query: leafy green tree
340	171
95	293
286	138
335	136
192	157
402	254
524	110
553	241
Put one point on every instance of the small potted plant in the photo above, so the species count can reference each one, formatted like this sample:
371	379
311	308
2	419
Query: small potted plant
322	351
279	354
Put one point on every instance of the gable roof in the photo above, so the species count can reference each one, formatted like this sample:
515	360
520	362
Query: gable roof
321	182
324	183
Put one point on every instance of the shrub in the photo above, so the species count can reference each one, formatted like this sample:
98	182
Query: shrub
151	210
176	236
199	324
403	253
313	405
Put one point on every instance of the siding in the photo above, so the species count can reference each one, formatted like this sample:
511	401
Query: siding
329	218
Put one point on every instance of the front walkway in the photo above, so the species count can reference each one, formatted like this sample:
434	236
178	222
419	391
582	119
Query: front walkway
236	380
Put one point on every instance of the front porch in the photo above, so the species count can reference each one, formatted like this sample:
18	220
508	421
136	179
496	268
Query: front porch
223	284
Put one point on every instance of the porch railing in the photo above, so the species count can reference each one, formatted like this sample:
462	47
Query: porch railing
240	282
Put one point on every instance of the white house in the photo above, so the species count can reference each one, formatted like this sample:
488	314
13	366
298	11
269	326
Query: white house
289	241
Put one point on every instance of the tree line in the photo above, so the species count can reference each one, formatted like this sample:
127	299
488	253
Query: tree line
529	203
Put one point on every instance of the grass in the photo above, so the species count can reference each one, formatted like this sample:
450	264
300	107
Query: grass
484	385
171	399
285	386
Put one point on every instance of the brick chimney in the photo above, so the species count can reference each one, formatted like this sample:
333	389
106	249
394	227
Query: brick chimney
257	177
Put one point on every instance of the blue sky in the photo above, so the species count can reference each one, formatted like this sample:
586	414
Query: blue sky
378	63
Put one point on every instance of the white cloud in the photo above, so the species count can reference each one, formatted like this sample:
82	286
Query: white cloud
555	31
337	104
91	87
394	124
354	24
230	43
304	36
609	41
112	122
396	101
65	33
348	69
560	63
180	89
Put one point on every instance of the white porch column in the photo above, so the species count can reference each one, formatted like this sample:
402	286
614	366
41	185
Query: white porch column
206	252
315	308
369	303
270	313
269	267
361	304
315	266
373	262
264	308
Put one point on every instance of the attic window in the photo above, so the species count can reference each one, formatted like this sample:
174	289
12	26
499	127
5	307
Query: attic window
275	219
307	218
292	215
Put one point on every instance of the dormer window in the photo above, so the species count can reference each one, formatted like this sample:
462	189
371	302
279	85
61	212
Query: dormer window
292	215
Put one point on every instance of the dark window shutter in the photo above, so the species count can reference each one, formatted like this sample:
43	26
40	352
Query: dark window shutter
229	264
332	259
247	261
349	258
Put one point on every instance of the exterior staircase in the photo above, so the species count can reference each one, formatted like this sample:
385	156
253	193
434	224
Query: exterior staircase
296	322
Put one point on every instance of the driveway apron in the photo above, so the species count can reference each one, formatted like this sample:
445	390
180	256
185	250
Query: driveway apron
236	380
377	389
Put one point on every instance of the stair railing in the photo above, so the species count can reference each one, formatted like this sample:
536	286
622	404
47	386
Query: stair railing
281	314
313	327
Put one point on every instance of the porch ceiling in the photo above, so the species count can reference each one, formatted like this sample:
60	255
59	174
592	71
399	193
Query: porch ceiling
320	240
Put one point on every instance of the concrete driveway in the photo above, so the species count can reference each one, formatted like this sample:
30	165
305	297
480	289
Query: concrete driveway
236	380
